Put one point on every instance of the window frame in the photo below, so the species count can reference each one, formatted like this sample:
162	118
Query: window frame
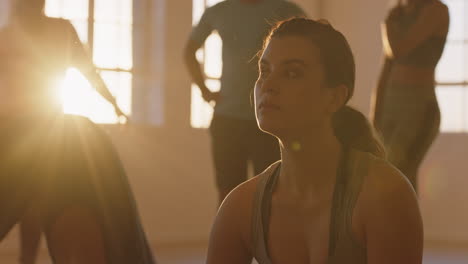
463	84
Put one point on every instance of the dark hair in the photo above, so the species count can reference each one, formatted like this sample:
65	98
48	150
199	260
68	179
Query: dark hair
351	127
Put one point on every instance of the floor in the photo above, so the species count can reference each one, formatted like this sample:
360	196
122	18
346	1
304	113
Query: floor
195	255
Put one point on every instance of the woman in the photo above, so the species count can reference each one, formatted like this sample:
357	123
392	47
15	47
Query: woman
331	199
59	174
43	48
406	110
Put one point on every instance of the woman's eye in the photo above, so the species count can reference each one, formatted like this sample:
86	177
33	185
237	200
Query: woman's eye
293	74
264	72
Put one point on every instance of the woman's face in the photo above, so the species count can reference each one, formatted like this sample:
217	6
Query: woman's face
290	94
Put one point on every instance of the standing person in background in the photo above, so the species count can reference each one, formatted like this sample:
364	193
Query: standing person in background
36	52
405	109
235	137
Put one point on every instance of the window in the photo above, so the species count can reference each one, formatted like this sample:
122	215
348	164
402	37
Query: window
452	71
105	26
210	59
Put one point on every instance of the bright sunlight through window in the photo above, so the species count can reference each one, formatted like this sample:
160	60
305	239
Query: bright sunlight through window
452	71
107	32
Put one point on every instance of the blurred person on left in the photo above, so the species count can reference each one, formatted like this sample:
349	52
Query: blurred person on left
42	49
36	51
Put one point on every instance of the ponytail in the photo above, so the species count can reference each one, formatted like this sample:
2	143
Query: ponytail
354	130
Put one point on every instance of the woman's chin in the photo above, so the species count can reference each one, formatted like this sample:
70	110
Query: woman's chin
270	127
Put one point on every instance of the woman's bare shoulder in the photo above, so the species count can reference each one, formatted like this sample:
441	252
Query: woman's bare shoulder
242	196
234	216
389	215
383	178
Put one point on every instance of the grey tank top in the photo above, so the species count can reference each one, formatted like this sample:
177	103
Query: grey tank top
343	247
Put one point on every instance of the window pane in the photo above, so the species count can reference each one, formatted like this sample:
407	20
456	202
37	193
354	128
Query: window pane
213	60
452	105
465	112
112	46
69	9
465	61
81	27
464	20
457	13
112	49
126	47
200	54
54	8
4	12
75	9
212	2
450	67
202	112
120	85
113	11
198	6
80	98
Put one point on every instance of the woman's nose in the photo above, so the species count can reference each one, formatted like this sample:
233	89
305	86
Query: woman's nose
270	84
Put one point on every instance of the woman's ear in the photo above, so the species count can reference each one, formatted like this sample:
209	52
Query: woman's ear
339	96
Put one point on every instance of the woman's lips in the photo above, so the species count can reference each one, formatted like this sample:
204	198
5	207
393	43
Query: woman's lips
268	106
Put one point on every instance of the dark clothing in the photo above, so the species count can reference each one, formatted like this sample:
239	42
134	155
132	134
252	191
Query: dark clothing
410	113
409	124
234	143
66	162
343	247
236	139
242	28
429	52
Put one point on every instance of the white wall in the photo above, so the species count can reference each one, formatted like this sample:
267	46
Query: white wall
4	12
311	7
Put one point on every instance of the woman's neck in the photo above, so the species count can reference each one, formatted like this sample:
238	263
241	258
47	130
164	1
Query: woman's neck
309	165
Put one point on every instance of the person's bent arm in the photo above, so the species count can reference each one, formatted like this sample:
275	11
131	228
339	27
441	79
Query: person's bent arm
392	219
197	37
195	69
82	61
432	19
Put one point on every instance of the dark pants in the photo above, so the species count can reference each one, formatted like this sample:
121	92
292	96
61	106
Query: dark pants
408	137
236	142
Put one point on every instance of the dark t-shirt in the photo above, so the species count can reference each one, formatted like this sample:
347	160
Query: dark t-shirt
242	28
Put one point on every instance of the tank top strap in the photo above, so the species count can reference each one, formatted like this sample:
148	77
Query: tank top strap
261	212
347	189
